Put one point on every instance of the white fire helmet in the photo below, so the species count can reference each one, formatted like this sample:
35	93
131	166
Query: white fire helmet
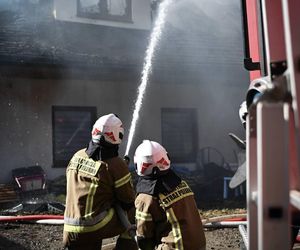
243	112
109	126
256	88
148	155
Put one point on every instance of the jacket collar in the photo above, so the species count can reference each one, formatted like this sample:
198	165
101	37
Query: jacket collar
101	152
155	185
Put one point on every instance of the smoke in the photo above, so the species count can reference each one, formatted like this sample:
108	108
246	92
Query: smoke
201	44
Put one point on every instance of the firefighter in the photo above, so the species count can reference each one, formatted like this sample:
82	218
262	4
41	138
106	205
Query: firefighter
97	180
166	212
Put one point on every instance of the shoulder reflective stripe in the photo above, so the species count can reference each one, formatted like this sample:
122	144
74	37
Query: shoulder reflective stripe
90	199
123	180
182	191
86	229
84	165
175	199
175	229
143	216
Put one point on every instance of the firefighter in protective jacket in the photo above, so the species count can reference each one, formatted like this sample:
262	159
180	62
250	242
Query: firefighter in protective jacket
166	213
97	180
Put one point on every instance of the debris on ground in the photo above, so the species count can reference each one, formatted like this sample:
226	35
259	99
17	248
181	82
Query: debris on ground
8	193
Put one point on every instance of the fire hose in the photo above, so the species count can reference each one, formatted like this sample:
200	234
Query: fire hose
18	218
232	220
229	217
59	219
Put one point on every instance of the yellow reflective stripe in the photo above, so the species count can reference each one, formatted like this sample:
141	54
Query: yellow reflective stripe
143	216
181	191
87	229
177	199
175	229
90	199
123	180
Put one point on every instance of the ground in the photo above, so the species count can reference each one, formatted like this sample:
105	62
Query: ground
27	236
31	236
37	237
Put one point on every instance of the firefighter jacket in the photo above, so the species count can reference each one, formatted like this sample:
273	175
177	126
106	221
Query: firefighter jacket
170	217
93	187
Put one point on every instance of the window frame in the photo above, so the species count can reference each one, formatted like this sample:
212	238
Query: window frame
93	115
190	157
127	18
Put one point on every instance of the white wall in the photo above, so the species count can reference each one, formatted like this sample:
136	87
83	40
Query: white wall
65	10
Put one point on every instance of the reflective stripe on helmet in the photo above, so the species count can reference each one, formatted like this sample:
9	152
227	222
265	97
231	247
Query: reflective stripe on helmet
145	166
110	135
163	162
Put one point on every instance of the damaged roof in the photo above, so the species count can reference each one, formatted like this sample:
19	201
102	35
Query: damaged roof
29	34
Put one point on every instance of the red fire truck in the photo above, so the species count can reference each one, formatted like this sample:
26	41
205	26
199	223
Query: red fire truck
272	56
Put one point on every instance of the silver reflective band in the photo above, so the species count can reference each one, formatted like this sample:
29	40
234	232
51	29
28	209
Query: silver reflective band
85	222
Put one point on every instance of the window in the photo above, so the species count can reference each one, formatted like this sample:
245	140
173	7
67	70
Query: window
71	131
111	10
179	134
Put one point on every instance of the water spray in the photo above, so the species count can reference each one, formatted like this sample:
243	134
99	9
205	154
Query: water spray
155	36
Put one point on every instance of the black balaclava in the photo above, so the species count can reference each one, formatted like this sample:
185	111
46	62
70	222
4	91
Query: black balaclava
161	182
102	151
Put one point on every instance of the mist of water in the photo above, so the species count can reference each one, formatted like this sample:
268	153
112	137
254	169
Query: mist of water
154	39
